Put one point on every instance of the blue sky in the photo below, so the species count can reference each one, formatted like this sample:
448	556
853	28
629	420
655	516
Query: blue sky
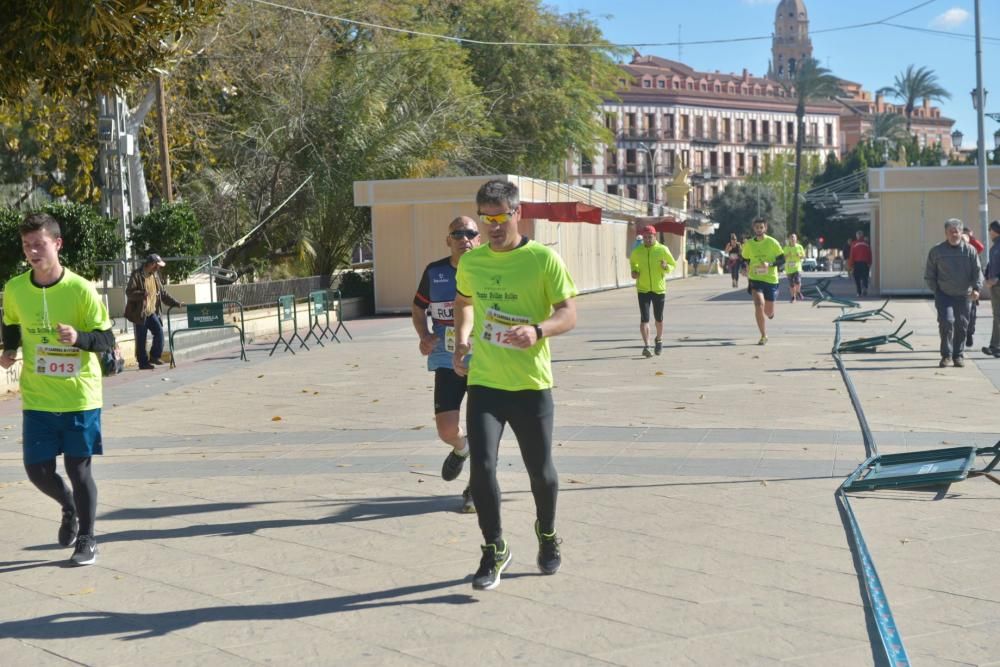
872	56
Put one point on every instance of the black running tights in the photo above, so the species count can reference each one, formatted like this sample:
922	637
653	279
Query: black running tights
530	415
83	498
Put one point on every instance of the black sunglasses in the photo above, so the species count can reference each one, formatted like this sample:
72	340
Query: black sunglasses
464	234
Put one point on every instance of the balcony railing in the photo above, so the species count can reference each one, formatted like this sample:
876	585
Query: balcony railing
706	137
812	141
638	134
761	140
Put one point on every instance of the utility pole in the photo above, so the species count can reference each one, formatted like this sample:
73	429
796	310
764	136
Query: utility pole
161	109
984	205
116	145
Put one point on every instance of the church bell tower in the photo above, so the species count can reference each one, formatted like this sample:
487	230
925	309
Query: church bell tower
790	43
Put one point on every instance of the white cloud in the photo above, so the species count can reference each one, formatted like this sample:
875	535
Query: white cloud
951	19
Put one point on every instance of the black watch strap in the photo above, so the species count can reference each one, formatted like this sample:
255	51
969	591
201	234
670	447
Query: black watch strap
538	332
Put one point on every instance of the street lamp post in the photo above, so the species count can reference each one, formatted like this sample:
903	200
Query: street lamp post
784	202
650	177
980	103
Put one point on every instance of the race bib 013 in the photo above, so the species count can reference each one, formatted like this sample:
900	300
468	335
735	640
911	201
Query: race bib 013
57	361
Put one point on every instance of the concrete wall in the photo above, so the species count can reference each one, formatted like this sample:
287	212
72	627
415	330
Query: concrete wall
913	203
410	223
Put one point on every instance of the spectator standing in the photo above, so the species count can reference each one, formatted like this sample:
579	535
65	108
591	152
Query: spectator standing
861	261
993	282
953	275
978	246
145	296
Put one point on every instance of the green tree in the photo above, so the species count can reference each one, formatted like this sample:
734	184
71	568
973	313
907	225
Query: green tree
735	207
88	238
542	100
170	231
310	99
888	130
84	48
51	144
812	82
915	84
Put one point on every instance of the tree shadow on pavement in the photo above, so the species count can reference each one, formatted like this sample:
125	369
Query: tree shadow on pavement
369	509
161	511
70	625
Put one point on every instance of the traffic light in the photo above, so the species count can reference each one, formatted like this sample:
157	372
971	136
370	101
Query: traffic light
820	239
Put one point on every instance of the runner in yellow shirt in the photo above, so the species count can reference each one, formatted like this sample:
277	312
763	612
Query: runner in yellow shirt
794	254
651	263
764	257
512	295
59	321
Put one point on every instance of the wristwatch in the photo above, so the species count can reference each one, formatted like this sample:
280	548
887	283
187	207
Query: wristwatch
538	332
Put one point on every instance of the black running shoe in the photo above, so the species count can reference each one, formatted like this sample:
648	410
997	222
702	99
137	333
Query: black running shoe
452	466
68	529
657	347
468	505
549	558
646	353
491	565
86	550
157	362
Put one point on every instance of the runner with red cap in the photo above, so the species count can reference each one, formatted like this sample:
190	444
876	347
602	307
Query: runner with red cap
651	263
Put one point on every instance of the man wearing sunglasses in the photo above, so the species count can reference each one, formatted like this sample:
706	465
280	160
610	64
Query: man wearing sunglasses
436	295
512	296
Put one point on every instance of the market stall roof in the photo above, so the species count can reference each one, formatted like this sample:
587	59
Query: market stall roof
561	212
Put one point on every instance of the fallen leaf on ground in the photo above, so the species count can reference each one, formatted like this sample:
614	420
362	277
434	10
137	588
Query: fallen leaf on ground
276	418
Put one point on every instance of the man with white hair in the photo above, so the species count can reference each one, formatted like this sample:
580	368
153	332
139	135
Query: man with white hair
954	277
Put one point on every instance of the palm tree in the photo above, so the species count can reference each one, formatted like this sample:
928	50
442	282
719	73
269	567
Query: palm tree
811	82
915	84
889	128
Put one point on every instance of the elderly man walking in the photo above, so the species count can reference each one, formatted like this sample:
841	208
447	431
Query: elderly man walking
954	277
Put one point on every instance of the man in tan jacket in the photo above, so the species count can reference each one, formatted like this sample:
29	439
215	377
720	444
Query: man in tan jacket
144	296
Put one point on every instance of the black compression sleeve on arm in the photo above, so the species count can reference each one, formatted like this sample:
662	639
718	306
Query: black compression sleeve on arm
11	336
95	341
779	261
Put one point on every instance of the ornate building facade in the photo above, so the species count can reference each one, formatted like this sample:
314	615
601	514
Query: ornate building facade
718	127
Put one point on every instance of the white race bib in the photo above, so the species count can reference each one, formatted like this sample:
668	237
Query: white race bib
57	361
442	310
791	267
496	328
760	270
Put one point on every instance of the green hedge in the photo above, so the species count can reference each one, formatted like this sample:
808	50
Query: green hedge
88	238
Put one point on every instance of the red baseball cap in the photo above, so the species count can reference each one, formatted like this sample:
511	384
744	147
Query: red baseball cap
648	229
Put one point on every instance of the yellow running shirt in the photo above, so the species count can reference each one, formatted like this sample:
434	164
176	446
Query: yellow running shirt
56	377
508	289
793	258
756	253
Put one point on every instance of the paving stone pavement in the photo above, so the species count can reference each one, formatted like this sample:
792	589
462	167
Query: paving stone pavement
290	511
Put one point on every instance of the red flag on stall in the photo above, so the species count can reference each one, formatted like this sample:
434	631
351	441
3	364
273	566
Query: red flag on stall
562	211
